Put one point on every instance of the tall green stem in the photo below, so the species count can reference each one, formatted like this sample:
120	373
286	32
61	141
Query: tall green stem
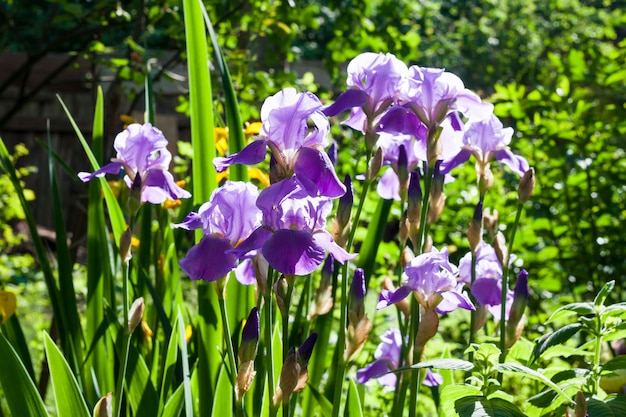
341	341
505	282
230	351
268	335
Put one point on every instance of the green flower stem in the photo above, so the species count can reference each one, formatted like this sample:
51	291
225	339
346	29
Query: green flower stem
505	283
597	352
125	343
414	319
341	341
472	334
417	353
269	325
230	352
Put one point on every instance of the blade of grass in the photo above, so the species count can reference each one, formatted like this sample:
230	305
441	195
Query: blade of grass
66	282
116	216
67	394
12	329
19	389
100	286
203	182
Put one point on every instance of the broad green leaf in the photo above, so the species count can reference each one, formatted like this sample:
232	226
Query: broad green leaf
223	404
614	364
140	392
557	337
521	370
446	363
67	394
185	361
479	406
355	408
452	393
613	406
18	388
14	334
175	403
578	308
377	225
324	404
168	382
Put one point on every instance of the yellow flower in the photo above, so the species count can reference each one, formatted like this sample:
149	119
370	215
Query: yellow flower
221	139
127	120
253	128
256	173
8	305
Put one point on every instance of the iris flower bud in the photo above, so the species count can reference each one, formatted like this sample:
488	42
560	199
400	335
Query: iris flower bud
324	293
520	298
526	185
373	167
135	314
474	233
247	353
403	172
359	325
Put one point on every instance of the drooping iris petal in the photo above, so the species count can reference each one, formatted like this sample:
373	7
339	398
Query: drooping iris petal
325	241
245	272
142	153
159	185
293	252
316	173
432	379
377	369
401	120
388	186
208	259
517	163
255	241
387	358
388	298
451	300
112	168
253	153
346	100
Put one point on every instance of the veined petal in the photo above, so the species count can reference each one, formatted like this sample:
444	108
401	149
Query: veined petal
245	272
518	164
293	252
487	291
346	100
112	168
253	242
460	158
192	221
389	185
159	185
316	173
404	121
451	300
325	240
250	155
209	260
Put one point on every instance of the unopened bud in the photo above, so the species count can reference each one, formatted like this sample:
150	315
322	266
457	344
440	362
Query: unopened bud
281	289
104	407
515	323
135	314
480	317
250	337
289	377
404	230
374	165
437	197
414	199
247	353
475	230
581	405
135	194
485	178
323	300
490	221
406	257
526	185
126	240
346	201
332	152
499	245
359	325
403	171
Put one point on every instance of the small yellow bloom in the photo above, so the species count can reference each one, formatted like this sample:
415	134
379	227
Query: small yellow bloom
188	333
256	173
127	120
147	331
221	139
253	128
168	204
134	242
8	305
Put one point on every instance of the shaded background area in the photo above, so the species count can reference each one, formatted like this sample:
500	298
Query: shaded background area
555	70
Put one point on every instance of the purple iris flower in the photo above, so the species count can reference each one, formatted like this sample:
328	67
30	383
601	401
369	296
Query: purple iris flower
387	359
374	82
487	287
142	153
487	140
432	278
293	236
296	148
227	219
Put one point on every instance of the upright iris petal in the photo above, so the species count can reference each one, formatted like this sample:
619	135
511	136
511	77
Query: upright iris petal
487	140
374	81
227	219
432	278
296	148
293	236
142	153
